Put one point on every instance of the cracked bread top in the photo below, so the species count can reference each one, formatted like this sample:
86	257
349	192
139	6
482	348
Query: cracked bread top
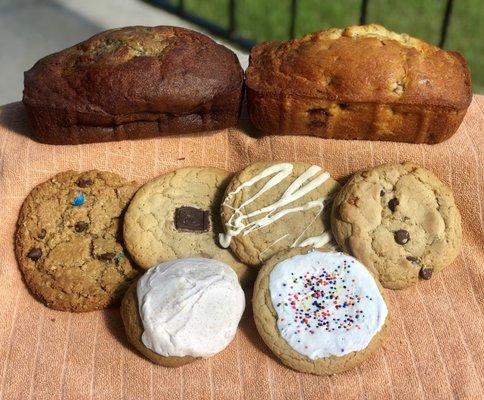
361	64
135	70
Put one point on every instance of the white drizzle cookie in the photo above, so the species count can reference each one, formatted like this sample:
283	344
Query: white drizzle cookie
269	207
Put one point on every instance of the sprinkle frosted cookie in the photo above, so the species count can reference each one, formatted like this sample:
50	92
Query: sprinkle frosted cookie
68	242
272	207
399	219
183	310
319	312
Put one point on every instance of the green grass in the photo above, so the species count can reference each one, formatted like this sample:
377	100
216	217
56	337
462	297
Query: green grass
262	20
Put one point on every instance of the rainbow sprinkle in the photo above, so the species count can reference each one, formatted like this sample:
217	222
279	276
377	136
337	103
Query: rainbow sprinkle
319	304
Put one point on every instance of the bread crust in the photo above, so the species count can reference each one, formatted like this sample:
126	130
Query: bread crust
131	83
362	82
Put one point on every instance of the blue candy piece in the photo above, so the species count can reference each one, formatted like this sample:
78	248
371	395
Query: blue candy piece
78	200
119	256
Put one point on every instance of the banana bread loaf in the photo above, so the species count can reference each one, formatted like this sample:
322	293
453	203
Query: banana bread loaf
132	83
362	82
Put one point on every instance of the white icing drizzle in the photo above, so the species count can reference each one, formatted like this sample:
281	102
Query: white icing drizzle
272	244
327	304
316	241
189	307
237	224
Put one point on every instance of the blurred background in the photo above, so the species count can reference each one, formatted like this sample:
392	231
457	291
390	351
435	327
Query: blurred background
31	29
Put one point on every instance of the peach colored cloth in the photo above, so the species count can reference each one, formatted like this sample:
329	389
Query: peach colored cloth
436	348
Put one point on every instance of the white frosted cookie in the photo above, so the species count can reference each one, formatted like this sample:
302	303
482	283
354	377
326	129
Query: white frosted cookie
272	207
184	309
319	312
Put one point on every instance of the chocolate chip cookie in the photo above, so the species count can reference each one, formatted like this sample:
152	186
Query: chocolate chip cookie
176	216
271	207
401	220
69	244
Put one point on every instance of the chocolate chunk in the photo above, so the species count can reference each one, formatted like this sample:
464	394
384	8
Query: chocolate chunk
191	219
80	226
34	254
426	273
393	203
42	233
318	117
402	236
412	259
343	106
382	193
107	256
82	183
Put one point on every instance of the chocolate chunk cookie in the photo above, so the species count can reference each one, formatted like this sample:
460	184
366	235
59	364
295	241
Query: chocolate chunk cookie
69	244
271	207
176	216
401	220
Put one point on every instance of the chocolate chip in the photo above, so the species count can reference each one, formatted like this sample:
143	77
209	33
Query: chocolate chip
393	203
402	236
80	226
382	193
426	273
343	106
107	256
412	259
82	183
34	254
42	233
191	219
318	117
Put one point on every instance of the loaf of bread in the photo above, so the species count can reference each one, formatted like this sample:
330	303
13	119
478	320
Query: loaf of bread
132	83
362	82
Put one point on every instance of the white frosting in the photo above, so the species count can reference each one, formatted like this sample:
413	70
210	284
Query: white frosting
189	307
327	304
308	181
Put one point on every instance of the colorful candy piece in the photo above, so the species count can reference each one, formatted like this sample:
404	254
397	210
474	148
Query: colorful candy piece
78	200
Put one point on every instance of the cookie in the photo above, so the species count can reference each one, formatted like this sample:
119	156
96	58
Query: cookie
183	310
271	207
399	219
69	244
319	312
177	215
